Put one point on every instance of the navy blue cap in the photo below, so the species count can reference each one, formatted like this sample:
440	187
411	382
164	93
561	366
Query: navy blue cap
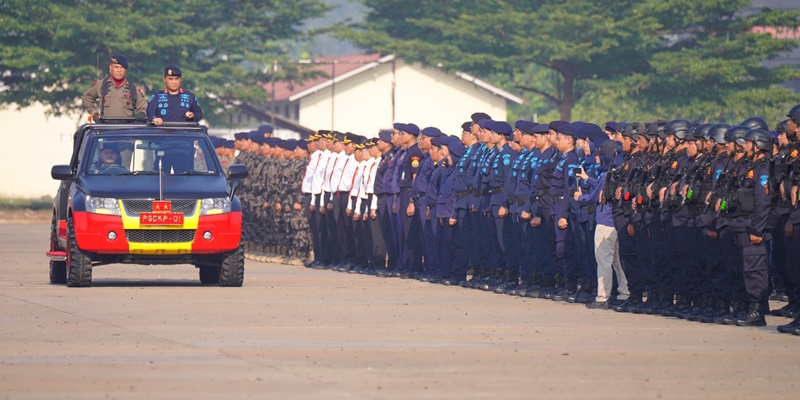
478	116
121	60
290	144
240	135
557	124
541	129
501	127
399	126
228	144
267	128
439	141
484	123
171	70
412	129
385	135
611	126
258	139
215	141
255	134
466	126
566	129
272	142
431	132
302	145
589	131
455	147
597	142
527	127
520	123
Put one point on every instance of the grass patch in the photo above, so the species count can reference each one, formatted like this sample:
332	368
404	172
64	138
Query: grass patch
16	204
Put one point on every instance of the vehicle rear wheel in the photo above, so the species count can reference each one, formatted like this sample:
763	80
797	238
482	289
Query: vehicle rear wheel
79	265
58	269
209	274
232	268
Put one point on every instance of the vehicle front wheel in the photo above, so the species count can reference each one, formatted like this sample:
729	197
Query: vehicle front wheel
232	268
58	269
79	265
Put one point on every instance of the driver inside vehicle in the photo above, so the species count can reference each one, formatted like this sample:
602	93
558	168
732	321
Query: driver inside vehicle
109	160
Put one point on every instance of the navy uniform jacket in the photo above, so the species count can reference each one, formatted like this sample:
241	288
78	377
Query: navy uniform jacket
408	166
431	197
173	107
393	183
475	175
462	181
518	183
420	185
483	178
381	179
447	195
755	179
710	177
499	177
561	183
534	164
547	165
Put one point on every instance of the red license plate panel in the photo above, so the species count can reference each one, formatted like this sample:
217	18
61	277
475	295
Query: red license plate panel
161	219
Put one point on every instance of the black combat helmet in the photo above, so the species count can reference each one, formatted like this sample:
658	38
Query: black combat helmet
718	133
793	111
736	134
782	127
761	138
755	123
678	127
702	130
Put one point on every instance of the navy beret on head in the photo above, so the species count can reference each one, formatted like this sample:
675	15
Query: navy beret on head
240	135
456	149
541	128
431	132
520	123
290	144
399	126
266	128
439	141
255	134
478	116
611	126
527	127
385	135
501	127
228	144
171	70
567	129
302	145
484	123
589	131
412	129
120	60
467	126
258	139
557	124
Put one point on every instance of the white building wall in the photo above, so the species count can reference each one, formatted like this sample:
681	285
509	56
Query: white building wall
32	144
424	96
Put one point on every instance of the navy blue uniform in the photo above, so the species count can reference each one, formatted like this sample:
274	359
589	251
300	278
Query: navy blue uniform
173	107
560	192
498	184
408	162
462	249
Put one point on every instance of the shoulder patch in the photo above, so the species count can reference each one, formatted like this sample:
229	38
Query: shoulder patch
414	162
794	153
674	165
506	160
764	180
750	174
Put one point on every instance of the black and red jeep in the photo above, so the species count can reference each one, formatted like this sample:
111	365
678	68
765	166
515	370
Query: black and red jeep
140	194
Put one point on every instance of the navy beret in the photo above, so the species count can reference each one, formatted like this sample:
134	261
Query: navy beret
214	140
240	135
484	123
272	142
121	60
290	144
385	135
412	129
589	131
399	126
456	149
520	123
302	145
611	126
255	134
439	141
267	128
258	139
541	128
501	127
608	147
171	70
432	132
466	126
597	142
228	144
477	117
557	124
527	127
567	129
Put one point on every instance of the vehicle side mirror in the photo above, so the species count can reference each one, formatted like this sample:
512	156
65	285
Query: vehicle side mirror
62	173
237	171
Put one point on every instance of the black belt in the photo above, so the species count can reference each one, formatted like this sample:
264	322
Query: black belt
512	199
421	194
534	198
497	190
520	201
557	198
461	195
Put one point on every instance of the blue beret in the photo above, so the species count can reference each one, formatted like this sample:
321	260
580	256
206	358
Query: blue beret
259	139
456	149
439	141
578	124
290	144
557	124
599	141
228	144
214	140
255	134
527	127
272	142
302	145
121	60
412	129
385	135
520	123
567	129
241	135
431	132
478	116
541	128
484	123
501	127
399	126
266	128
588	131
171	70
611	126
466	126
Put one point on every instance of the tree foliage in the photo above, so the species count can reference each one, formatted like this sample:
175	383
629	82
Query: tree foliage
50	51
625	57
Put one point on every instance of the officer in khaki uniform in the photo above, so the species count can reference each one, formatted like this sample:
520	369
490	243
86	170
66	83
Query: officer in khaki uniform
118	97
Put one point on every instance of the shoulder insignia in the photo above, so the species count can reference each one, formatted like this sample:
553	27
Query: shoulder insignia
506	160
709	171
674	165
794	153
414	162
764	180
626	166
750	174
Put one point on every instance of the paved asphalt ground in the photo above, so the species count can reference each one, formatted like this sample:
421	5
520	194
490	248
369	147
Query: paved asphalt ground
153	332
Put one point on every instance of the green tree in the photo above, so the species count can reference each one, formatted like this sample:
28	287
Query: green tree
50	51
650	54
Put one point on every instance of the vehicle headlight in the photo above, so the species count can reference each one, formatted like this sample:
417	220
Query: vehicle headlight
102	205
217	205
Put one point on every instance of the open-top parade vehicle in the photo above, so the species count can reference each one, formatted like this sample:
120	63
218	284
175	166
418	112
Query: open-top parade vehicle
139	194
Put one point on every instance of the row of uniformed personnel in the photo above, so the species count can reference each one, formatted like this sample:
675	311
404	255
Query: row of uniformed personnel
687	214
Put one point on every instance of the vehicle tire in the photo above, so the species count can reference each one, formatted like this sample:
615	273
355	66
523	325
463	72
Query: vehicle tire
58	269
232	268
209	275
79	265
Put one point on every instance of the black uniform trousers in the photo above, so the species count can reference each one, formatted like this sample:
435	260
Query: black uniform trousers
385	202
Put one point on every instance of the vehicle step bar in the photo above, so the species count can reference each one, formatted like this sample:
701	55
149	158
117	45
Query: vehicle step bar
57	255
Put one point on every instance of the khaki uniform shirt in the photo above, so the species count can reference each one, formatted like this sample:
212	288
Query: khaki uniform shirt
117	101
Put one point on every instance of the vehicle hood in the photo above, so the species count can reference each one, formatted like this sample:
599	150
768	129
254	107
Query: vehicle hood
146	186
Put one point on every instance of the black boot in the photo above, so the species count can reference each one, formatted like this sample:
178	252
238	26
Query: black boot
628	305
791	327
791	310
754	316
738	310
699	307
717	309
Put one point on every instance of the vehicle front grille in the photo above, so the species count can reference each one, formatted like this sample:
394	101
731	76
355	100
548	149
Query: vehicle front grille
135	207
159	236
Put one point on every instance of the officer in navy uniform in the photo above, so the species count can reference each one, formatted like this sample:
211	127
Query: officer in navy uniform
540	205
560	191
408	162
385	199
462	248
173	104
521	176
500	173
422	231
